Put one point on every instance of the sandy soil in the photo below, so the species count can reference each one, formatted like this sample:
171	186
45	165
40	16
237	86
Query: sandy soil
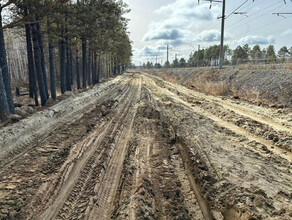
138	147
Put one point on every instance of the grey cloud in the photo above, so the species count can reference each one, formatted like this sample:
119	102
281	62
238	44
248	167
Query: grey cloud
148	51
209	36
163	34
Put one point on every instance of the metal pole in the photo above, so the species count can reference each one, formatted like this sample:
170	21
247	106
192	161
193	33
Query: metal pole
167	53
198	55
222	36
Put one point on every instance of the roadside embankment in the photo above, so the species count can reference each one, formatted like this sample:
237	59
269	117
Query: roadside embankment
262	86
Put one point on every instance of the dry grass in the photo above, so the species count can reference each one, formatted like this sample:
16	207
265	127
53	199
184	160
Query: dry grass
209	82
206	81
251	66
288	66
169	78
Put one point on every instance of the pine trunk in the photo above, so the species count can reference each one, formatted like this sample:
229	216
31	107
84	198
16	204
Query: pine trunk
5	71
52	71
78	70
33	89
4	107
94	57
98	69
38	65
68	69
29	58
89	69
84	63
71	66
62	63
43	62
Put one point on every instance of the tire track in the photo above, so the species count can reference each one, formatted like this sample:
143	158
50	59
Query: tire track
78	197
25	147
240	131
109	184
275	123
188	166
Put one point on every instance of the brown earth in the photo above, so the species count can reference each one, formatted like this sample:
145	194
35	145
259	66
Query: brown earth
139	147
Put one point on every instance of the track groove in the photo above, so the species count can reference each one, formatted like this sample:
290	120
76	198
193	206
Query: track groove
83	192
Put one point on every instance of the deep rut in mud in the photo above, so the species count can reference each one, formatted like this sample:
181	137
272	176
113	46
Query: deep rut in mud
149	149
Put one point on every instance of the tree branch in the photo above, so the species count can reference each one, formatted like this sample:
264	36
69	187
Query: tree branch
24	19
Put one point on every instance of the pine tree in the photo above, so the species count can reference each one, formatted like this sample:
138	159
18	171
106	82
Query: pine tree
4	68
4	107
38	64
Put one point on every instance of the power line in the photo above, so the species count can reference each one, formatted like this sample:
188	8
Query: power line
281	14
255	13
237	8
246	6
260	27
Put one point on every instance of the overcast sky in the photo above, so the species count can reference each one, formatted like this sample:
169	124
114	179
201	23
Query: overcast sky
185	24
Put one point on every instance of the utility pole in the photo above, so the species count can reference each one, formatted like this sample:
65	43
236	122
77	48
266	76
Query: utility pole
223	17
198	60
222	35
167	54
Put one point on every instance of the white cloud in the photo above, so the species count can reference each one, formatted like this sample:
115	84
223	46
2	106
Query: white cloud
189	9
255	39
148	53
182	16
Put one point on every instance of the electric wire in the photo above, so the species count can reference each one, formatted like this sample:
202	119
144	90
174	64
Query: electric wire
236	9
261	10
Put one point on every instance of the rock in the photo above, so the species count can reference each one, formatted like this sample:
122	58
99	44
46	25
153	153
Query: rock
236	97
264	148
259	201
68	93
217	215
29	110
20	112
12	215
50	102
271	136
276	139
103	110
15	118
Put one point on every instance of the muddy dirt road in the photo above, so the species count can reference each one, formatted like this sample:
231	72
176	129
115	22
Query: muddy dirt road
138	147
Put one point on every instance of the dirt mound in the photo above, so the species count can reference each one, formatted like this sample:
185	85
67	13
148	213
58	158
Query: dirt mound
261	86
